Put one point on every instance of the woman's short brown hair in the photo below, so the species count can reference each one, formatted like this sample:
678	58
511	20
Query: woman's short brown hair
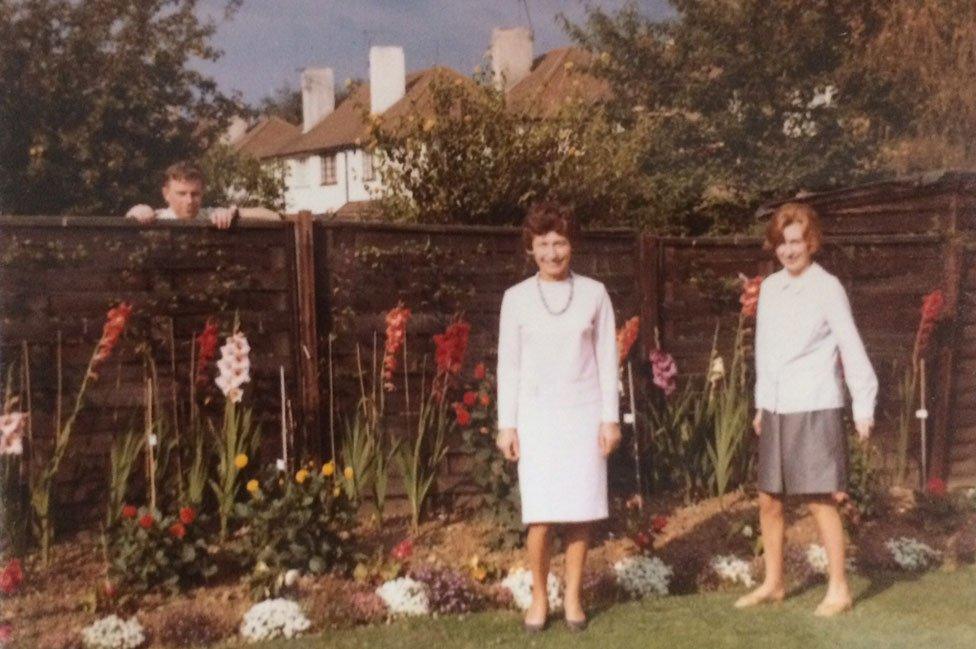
789	213
544	217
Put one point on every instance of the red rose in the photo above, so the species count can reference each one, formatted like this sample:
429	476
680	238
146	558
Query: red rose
479	371
402	550
658	523
936	486
129	511
146	521
463	416
177	530
187	515
485	399
470	398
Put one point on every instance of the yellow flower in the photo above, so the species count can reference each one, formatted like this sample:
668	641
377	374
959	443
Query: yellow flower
253	486
301	476
240	461
347	472
328	468
336	491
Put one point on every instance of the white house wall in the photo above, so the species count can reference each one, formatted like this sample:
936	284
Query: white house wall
304	189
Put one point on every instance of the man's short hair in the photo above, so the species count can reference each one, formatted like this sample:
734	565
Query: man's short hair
183	170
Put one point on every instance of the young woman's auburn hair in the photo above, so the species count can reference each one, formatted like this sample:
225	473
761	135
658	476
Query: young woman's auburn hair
801	214
544	217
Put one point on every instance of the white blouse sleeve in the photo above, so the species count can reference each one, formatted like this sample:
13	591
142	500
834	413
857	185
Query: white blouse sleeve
605	342
509	360
858	373
764	400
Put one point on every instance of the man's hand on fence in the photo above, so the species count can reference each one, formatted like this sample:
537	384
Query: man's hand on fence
222	217
141	213
508	444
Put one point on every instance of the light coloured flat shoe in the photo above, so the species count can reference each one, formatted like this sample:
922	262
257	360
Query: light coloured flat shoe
830	609
755	598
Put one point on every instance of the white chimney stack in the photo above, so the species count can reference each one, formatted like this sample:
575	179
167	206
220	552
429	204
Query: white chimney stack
387	77
318	96
511	56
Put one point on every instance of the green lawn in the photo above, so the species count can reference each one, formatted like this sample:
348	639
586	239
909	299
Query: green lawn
935	610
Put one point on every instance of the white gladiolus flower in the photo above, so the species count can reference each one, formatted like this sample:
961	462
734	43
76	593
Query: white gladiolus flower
643	576
113	632
234	367
732	569
911	554
717	370
519	583
274	618
405	596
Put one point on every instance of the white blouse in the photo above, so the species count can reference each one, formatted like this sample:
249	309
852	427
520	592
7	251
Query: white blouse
804	331
553	360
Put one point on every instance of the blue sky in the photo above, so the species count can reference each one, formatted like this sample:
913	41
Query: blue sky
268	42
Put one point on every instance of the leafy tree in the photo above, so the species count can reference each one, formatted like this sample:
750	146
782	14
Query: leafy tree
744	100
98	97
239	179
468	158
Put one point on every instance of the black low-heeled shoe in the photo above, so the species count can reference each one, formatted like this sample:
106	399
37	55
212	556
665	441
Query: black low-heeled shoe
531	628
577	626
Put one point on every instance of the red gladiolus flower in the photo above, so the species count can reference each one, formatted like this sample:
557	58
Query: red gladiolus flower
115	321
402	550
177	530
187	515
470	398
11	577
480	371
936	486
658	523
462	414
485	399
933	308
396	332
749	298
129	511
627	336
146	521
449	354
206	349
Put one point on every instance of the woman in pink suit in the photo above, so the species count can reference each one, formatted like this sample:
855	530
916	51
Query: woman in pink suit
557	403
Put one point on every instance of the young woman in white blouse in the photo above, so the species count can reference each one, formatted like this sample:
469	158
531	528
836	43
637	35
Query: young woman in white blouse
807	347
557	403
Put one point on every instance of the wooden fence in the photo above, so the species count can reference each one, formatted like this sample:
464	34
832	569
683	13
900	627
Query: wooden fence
307	291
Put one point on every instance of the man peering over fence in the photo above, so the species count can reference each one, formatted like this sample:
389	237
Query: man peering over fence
183	186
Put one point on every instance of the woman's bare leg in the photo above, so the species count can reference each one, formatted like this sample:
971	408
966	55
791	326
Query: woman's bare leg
577	537
771	521
537	543
838	597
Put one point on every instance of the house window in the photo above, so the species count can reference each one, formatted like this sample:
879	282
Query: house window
299	172
329	176
369	166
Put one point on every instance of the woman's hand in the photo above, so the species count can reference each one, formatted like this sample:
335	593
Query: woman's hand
863	429
609	437
507	442
757	422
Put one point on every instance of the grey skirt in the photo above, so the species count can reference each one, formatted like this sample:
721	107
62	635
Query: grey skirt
803	452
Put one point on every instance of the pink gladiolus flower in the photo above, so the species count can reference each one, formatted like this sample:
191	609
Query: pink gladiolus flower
665	370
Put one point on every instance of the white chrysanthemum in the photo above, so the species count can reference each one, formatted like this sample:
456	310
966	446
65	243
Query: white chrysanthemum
732	569
274	618
643	576
911	554
519	583
405	596
113	632
817	558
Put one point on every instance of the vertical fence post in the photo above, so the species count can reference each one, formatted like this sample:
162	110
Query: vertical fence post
308	355
941	430
649	276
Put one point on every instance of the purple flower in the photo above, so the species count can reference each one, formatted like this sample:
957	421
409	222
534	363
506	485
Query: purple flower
450	590
665	370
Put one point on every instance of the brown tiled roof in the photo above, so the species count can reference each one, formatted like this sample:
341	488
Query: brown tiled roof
265	137
367	210
346	127
558	77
